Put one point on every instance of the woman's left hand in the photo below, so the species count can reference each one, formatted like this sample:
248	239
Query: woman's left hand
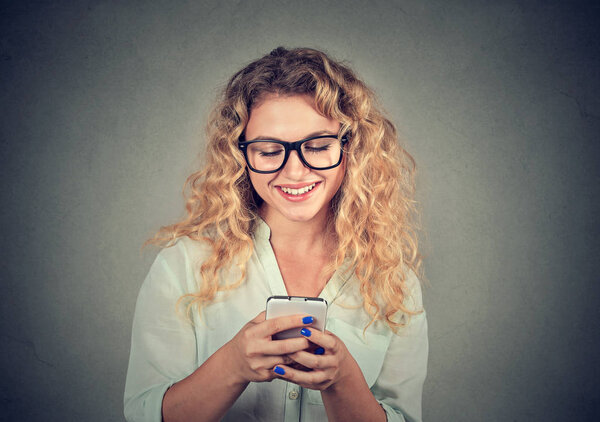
330	362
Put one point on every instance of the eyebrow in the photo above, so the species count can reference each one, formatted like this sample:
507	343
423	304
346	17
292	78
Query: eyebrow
310	135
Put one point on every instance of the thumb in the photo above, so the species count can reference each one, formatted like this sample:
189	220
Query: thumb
260	317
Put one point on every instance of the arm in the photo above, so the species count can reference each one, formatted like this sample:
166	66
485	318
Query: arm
164	379
190	400
336	374
209	392
395	394
362	406
399	387
163	345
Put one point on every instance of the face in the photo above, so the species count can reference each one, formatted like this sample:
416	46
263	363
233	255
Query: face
289	119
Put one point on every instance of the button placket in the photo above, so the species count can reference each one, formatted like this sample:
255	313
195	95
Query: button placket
293	394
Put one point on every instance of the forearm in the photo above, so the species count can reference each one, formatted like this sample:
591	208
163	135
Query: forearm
205	395
351	400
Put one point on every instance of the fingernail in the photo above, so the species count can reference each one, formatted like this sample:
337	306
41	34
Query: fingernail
305	332
319	351
307	320
279	370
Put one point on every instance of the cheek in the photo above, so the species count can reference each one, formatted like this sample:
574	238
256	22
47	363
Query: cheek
339	178
259	182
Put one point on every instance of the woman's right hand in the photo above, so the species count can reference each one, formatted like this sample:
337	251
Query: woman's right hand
253	353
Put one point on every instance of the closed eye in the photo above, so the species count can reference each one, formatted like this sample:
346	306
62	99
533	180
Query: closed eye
269	154
317	149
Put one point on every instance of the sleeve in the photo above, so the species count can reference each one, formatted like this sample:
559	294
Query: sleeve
399	386
163	343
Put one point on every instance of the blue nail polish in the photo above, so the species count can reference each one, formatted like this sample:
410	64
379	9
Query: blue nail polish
305	332
279	370
307	320
319	351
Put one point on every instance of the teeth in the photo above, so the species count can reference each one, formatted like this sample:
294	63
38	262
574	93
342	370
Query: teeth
298	191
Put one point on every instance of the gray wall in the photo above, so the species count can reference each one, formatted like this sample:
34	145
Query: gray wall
103	107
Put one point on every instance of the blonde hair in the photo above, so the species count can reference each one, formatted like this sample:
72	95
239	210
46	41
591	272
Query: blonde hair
373	213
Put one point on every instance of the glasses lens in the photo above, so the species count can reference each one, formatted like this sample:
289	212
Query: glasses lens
265	156
322	152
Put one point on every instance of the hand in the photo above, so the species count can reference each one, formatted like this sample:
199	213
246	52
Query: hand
330	362
254	354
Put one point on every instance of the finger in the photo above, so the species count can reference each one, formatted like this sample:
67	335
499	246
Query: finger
260	317
262	368
302	378
325	340
275	325
310	360
284	347
287	360
269	362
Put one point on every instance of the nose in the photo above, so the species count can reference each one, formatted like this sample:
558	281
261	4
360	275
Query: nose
295	169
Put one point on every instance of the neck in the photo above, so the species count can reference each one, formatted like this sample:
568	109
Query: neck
300	236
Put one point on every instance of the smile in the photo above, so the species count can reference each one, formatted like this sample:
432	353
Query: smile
300	191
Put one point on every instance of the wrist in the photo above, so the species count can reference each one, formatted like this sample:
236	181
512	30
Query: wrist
232	375
350	376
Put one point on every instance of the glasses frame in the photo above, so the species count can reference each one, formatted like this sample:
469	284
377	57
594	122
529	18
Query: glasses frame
289	147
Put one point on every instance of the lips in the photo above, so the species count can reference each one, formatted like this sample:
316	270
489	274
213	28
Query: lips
300	191
297	192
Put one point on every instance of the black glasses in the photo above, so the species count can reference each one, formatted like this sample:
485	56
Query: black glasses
317	152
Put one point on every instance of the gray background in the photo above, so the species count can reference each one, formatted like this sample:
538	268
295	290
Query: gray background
103	107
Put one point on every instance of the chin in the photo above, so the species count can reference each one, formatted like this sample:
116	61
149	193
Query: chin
299	216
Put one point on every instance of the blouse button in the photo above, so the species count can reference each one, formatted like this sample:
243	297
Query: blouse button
293	395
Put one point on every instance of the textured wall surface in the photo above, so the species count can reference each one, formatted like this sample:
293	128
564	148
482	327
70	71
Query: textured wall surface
103	107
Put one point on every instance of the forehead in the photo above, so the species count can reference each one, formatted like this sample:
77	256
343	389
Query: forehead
287	117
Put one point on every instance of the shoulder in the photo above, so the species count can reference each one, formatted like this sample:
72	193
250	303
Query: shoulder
412	318
413	294
184	251
175	267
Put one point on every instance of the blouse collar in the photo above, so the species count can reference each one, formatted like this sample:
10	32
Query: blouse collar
262	236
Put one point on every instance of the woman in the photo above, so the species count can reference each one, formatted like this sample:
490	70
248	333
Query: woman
305	192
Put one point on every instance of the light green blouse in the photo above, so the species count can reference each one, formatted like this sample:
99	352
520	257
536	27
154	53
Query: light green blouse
165	348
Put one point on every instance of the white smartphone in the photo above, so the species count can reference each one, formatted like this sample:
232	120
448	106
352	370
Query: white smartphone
278	306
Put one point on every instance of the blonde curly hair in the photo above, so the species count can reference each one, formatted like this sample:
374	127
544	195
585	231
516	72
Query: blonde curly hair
373	213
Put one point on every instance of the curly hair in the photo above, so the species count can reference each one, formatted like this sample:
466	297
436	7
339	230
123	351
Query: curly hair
373	214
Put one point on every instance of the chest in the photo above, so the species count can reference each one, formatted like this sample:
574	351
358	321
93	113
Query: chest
303	275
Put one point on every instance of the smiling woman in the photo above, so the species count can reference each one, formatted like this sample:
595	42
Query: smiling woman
305	192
